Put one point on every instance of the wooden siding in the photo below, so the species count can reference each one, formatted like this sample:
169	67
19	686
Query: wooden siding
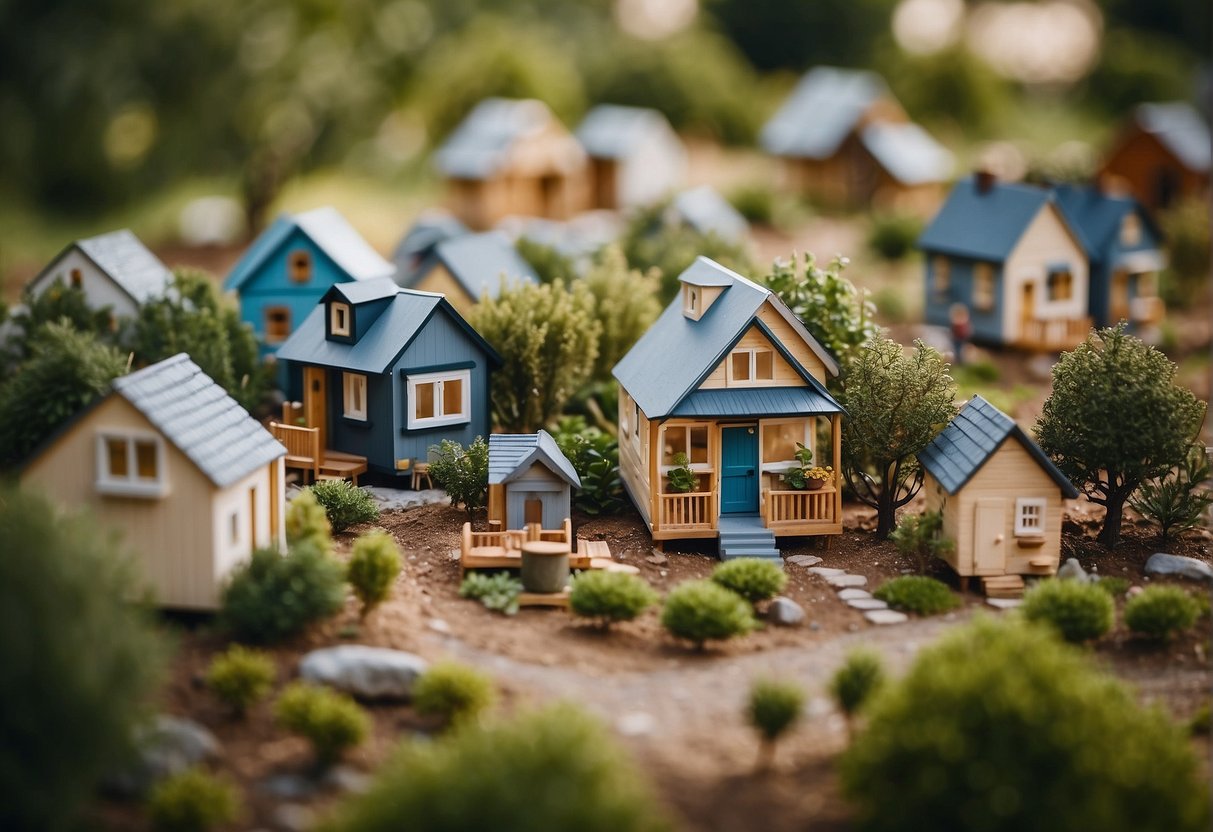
1047	240
538	483
439	279
792	342
99	289
784	375
1142	165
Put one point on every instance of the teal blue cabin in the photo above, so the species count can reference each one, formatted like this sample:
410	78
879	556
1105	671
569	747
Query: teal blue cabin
387	373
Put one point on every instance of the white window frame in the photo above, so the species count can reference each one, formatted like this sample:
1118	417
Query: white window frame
1022	529
685	426
353	389
784	464
465	406
753	380
131	485
337	311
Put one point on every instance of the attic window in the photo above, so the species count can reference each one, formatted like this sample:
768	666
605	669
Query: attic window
339	319
129	465
300	266
747	366
1060	284
1130	230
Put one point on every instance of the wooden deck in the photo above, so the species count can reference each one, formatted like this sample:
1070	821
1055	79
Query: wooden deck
303	454
502	550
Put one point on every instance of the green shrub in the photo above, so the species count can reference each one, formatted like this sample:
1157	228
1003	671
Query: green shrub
773	708
608	597
754	579
595	458
1116	587
241	677
682	480
917	594
374	565
78	663
1000	727
1160	612
463	474
307	523
755	202
920	536
498	592
1077	611
274	597
192	801
454	693
892	236
1199	724
702	611
564	772
548	262
345	504
853	684
1175	501
331	721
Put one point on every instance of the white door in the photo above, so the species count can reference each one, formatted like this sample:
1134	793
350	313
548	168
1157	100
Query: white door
989	537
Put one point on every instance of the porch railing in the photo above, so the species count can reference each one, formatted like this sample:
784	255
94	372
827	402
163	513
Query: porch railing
1062	333
1147	310
798	507
692	510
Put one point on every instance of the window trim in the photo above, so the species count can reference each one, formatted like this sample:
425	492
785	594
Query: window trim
464	416
753	380
286	313
784	464
698	467
131	485
350	381
336	310
1041	505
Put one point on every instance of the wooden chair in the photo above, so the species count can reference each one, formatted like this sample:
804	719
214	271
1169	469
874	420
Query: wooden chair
421	470
302	448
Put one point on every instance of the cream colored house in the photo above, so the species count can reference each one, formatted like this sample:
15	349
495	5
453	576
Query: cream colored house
170	461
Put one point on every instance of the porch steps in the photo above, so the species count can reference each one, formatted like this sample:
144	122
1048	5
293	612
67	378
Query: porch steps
1003	586
744	536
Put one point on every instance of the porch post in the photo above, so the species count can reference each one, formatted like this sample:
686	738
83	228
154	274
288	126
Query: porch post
836	434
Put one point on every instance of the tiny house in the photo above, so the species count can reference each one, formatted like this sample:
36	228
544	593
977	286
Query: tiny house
1000	497
192	482
1162	155
636	158
705	211
414	253
728	382
469	267
530	481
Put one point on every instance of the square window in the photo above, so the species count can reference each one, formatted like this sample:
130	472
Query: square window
129	465
277	324
1030	516
300	266
779	440
145	459
116	454
1060	285
764	365
452	397
439	399
741	365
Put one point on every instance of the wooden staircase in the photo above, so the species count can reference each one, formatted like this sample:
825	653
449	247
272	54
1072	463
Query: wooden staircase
1003	586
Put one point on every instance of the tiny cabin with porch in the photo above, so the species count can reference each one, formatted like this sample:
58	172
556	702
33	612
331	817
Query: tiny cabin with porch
729	379
1162	155
1000	497
530	481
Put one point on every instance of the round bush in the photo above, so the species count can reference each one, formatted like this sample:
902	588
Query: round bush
274	597
453	692
1077	611
918	594
607	597
1116	587
564	772
332	722
1000	727
754	579
192	801
306	523
374	565
345	504
774	707
702	611
860	676
241	677
1160	612
892	236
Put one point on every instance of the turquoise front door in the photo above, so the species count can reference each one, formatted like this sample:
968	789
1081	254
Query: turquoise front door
738	470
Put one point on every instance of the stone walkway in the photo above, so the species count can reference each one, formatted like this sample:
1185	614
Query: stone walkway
850	591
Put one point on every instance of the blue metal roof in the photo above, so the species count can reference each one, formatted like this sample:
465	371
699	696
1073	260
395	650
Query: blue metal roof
123	257
704	210
673	357
984	226
1180	129
907	152
200	419
757	401
363	291
825	107
481	143
973	436
512	454
611	131
479	261
1097	217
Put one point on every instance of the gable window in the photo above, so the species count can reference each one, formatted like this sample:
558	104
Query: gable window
941	276
1030	516
300	266
339	318
983	286
77	278
354	388
439	399
277	324
1060	283
129	464
1130	230
691	440
751	365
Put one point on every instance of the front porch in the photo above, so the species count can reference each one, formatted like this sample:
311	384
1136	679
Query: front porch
304	454
1053	335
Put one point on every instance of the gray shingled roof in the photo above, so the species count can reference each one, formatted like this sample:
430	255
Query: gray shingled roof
761	401
127	261
704	210
414	253
200	419
984	226
907	152
512	454
611	131
1096	217
482	141
673	357
825	107
478	262
1180	129
977	431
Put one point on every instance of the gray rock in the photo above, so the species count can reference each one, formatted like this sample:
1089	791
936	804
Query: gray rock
1072	570
438	625
785	612
636	724
886	617
1005	603
843	581
164	747
287	786
1161	563
826	571
867	604
347	779
804	560
657	558
853	593
364	672
292	817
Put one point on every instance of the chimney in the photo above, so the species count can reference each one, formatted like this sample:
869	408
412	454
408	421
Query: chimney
985	180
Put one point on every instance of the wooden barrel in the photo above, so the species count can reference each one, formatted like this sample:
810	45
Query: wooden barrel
545	566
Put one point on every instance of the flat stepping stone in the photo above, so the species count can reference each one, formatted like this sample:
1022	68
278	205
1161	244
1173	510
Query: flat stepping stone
853	593
842	581
826	571
886	617
1005	603
867	604
804	560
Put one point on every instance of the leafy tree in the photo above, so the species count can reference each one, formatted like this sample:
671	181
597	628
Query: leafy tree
1175	501
625	305
895	405
855	683
595	458
66	371
57	304
830	306
548	339
77	662
652	241
548	262
1116	419
463	474
773	709
920	536
373	567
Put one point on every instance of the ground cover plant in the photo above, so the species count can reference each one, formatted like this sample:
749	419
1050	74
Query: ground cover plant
498	591
703	611
917	594
754	579
609	597
345	504
1077	611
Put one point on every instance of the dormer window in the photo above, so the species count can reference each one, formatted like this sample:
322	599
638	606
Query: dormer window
339	319
752	365
300	266
1130	230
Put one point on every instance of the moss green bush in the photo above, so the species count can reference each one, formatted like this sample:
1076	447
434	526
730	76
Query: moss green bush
1114	586
463	474
1078	612
607	597
1199	724
307	523
274	596
240	677
374	565
859	678
918	594
551	769
331	721
454	693
920	537
1160	612
773	708
345	504
892	236
754	579
192	801
1000	727
702	611
498	592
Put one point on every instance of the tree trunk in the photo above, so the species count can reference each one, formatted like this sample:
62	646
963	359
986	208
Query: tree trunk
886	508
1109	535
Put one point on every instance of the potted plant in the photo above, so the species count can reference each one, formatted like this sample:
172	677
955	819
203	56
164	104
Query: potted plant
798	478
817	476
681	478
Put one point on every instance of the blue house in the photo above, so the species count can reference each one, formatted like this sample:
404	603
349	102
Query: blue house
388	372
1124	250
1007	253
286	271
